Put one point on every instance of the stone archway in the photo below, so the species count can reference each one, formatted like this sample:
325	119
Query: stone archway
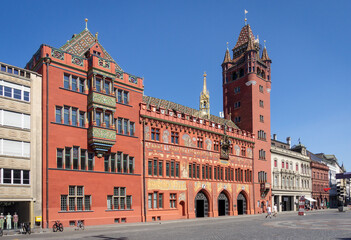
201	205
241	205
223	204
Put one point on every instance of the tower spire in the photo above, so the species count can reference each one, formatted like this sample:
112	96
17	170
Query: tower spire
205	100
264	53
227	57
204	90
86	24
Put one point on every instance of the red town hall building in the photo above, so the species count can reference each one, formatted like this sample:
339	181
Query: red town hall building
113	155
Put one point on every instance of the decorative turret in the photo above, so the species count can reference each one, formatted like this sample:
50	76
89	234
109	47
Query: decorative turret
227	57
250	44
265	55
205	101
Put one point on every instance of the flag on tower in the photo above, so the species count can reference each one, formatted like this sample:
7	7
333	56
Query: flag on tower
246	11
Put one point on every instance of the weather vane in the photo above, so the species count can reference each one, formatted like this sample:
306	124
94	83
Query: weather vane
246	12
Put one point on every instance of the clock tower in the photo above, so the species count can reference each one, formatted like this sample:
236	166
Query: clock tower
246	100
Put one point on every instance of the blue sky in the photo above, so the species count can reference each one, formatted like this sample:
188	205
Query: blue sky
171	44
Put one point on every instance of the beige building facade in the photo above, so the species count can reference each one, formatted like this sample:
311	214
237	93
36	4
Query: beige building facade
291	174
20	143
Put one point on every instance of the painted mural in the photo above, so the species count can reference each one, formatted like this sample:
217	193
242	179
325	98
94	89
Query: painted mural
249	152
147	132
165	136
237	150
208	144
160	184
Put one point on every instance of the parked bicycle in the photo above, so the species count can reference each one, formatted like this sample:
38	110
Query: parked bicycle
57	226
80	225
25	228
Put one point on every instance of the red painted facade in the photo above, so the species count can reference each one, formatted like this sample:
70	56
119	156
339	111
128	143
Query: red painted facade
246	100
77	181
111	155
198	168
319	183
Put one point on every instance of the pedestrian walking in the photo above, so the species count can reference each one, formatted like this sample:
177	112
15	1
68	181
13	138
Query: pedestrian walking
15	220
275	210
269	212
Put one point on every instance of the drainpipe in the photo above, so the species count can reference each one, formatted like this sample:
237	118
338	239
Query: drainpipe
47	62
253	178
144	187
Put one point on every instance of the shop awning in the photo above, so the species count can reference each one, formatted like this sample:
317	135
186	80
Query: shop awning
310	199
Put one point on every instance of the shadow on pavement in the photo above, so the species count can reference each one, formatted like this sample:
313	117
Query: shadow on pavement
110	238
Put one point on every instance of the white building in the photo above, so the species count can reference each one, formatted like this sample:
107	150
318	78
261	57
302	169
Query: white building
20	143
291	174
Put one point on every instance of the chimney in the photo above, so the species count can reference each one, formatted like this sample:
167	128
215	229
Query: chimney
275	137
288	141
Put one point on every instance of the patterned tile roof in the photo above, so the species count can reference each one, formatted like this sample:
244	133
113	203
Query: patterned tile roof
183	109
80	44
243	36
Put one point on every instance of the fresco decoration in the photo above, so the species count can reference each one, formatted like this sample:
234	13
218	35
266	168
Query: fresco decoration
188	142
184	169
224	186
165	136
208	144
163	185
147	132
249	152
77	61
182	197
242	187
57	54
202	185
181	151
237	150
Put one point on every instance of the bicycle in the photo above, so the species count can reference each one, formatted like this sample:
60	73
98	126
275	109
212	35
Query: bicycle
25	228
80	225
57	226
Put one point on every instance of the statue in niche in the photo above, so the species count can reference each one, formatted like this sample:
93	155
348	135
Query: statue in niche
225	144
165	136
208	144
147	132
237	150
249	152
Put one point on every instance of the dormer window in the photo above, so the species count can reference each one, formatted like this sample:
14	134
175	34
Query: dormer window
97	53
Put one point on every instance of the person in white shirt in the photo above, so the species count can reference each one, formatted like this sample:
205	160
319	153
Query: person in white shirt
269	211
275	210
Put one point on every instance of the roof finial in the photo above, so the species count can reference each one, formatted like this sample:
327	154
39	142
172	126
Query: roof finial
205	87
264	43
86	24
246	12
227	45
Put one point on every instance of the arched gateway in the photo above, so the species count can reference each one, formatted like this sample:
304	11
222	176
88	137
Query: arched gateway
201	205
241	204
223	204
